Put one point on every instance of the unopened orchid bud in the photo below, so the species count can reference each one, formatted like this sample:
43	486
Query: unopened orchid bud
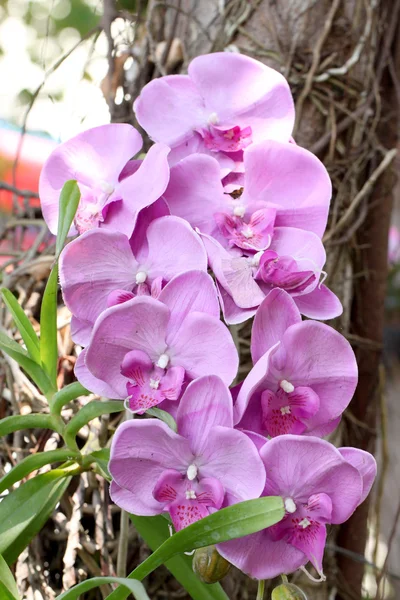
209	565
288	591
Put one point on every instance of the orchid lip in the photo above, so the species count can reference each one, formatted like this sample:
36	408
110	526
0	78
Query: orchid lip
191	472
141	277
285	410
287	386
163	361
304	523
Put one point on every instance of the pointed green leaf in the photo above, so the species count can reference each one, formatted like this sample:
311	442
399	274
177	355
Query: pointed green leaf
34	462
18	422
229	523
134	587
20	355
25	510
89	412
48	327
7	580
69	201
23	324
5	593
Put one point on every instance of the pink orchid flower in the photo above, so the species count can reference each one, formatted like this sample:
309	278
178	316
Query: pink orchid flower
283	185
304	374
145	348
100	268
319	486
226	102
205	466
293	262
96	159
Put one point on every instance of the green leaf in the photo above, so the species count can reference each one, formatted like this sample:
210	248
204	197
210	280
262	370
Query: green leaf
20	355
5	593
163	416
7	581
23	324
66	395
18	422
89	412
25	510
69	201
229	523
155	531
34	462
134	587
48	327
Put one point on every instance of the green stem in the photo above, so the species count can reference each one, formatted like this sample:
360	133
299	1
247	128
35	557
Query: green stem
284	578
261	589
65	395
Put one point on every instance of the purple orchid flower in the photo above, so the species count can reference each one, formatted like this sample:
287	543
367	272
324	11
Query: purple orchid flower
96	159
145	348
319	487
283	185
304	376
205	466
226	102
293	262
99	268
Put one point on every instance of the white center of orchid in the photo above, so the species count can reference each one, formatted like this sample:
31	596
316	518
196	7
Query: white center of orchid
304	523
154	383
163	361
290	505
255	260
213	118
106	187
239	211
141	277
287	386
191	472
285	410
248	233
190	495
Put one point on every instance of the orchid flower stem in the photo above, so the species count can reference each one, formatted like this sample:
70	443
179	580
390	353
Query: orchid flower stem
261	589
123	544
284	578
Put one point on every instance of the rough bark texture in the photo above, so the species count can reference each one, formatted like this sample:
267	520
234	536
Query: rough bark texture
341	59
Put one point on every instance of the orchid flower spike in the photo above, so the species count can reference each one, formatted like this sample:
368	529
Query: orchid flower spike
226	102
100	269
96	159
304	374
319	486
203	467
145	349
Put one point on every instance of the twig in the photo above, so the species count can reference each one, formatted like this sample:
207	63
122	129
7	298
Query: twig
367	187
17	191
315	61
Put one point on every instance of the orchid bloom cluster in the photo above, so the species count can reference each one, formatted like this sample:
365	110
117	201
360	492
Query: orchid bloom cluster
224	189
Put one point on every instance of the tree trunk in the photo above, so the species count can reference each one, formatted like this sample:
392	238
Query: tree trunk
341	62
